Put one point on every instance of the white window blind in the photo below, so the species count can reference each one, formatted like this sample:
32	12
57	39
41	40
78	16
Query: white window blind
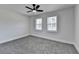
52	23
39	24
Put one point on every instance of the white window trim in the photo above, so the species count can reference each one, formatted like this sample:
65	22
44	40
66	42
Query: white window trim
38	24
56	25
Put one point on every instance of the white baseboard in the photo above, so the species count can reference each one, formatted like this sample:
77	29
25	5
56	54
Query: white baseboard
76	46
14	38
63	41
59	40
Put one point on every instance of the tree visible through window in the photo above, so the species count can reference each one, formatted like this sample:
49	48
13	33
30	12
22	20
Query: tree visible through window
39	24
52	23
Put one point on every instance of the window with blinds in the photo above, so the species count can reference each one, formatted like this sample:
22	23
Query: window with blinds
39	24
52	23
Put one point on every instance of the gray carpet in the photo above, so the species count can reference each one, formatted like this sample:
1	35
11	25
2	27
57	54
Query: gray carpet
36	45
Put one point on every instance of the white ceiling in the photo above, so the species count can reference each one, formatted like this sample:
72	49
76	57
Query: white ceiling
46	7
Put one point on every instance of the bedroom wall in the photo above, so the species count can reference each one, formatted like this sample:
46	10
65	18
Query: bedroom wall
77	27
13	25
65	31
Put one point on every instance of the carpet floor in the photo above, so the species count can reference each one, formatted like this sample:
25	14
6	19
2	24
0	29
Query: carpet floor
36	45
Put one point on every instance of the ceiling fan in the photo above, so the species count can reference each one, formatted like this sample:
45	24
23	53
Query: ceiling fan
34	9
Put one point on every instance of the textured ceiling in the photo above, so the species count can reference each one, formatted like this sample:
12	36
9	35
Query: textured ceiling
46	7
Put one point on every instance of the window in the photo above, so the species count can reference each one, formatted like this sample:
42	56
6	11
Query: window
39	24
52	23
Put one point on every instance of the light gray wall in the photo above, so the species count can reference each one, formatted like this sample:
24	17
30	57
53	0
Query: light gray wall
65	31
77	25
12	25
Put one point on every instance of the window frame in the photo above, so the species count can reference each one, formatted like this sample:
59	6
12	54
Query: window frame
52	23
38	24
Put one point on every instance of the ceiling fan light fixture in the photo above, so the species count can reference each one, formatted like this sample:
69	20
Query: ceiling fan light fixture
34	11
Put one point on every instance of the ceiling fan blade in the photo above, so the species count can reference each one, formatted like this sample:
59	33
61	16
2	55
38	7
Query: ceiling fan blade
28	7
29	11
39	10
37	7
34	6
